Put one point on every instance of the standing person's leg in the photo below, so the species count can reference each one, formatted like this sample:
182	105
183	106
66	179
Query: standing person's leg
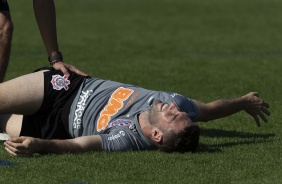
22	95
6	32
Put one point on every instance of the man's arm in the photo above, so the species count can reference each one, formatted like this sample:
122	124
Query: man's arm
251	103
27	146
45	15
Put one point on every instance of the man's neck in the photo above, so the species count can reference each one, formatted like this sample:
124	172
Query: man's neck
145	125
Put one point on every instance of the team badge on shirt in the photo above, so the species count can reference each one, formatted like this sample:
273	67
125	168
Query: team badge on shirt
60	82
120	122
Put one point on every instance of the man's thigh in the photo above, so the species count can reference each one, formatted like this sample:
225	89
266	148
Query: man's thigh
22	95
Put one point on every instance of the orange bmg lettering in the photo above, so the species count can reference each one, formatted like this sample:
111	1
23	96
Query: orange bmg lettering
115	103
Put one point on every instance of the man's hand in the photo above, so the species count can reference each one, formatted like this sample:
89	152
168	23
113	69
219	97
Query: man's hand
256	107
22	146
64	67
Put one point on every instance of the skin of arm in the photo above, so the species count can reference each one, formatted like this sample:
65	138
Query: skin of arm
27	146
6	32
250	102
45	14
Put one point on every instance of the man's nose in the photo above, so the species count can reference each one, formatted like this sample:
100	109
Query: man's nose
173	108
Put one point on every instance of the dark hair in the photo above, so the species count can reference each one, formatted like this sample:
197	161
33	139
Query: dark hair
185	140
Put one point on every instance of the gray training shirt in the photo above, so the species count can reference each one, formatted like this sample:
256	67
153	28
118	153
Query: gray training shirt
110	109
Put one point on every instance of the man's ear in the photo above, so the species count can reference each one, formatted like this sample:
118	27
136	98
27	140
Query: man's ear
157	135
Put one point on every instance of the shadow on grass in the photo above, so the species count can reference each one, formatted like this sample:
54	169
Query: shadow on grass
218	133
7	163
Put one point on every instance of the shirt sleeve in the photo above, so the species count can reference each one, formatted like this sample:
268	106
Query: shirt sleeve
120	139
186	105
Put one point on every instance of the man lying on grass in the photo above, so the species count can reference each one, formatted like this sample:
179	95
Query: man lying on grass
46	112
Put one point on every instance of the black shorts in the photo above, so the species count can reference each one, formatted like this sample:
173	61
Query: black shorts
51	120
4	6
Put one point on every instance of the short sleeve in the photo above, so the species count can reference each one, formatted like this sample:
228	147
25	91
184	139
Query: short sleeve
120	139
186	105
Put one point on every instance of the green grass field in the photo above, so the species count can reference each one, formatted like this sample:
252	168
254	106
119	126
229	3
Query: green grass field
203	49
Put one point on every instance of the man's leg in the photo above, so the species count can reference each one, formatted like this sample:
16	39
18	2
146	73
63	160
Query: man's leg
6	32
11	124
22	95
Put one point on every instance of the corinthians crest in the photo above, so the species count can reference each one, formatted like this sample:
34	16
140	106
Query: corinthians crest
60	82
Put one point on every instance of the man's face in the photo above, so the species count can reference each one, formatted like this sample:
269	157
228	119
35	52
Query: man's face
168	117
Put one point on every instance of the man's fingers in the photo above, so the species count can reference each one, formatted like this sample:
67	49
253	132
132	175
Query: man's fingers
15	144
61	66
11	149
64	67
257	108
262	116
256	94
17	153
80	72
75	70
65	71
265	104
10	152
265	111
16	149
257	120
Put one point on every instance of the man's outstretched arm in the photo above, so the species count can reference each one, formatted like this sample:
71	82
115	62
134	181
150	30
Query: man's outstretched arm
27	146
251	103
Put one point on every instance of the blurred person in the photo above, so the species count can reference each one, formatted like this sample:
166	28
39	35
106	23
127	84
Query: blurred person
58	114
46	19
